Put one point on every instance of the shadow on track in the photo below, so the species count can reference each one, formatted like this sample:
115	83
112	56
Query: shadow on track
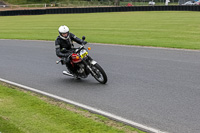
88	83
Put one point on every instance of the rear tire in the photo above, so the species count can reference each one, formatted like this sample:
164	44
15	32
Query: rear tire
100	74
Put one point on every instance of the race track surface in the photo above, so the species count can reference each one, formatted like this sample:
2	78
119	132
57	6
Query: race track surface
156	87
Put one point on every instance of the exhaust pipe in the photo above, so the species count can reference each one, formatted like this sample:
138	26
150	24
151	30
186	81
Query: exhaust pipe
68	74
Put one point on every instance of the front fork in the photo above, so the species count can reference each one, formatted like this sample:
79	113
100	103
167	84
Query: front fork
92	62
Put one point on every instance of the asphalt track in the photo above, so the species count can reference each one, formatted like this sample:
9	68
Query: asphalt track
156	87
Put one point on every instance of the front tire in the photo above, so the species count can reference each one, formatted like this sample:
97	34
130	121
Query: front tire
100	75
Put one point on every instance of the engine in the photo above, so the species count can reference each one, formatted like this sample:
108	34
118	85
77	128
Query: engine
81	68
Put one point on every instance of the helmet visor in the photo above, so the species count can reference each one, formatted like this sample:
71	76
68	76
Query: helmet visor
64	34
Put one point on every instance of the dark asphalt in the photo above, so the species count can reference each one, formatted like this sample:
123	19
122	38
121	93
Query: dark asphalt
156	87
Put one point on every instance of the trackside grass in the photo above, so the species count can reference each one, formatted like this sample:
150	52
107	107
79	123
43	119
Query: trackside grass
160	29
26	112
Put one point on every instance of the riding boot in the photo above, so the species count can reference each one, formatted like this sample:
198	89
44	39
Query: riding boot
69	66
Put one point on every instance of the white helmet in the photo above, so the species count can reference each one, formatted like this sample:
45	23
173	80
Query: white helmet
63	29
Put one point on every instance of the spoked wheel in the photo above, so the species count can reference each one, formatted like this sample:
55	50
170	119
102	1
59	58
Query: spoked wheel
100	75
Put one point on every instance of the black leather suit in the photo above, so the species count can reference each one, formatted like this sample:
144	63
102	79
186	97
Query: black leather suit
67	44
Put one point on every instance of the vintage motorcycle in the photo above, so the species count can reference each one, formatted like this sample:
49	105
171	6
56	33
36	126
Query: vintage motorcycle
84	65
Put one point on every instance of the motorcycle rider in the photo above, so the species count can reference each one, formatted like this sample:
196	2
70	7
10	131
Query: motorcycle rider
64	46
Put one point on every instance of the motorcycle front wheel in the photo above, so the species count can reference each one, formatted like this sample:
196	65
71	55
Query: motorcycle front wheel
100	75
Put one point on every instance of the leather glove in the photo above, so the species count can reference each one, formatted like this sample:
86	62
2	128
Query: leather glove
84	42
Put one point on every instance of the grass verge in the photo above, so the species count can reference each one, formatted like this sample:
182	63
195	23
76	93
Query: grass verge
22	111
160	29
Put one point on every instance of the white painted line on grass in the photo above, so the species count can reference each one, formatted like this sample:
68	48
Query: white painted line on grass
94	110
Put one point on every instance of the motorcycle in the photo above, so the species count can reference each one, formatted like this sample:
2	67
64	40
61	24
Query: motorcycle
84	65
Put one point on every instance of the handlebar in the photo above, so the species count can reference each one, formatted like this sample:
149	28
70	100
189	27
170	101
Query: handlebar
82	45
79	49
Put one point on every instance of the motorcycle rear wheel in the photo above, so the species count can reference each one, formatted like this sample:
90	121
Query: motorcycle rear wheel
100	74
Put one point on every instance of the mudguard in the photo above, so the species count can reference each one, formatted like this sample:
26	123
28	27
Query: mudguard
93	62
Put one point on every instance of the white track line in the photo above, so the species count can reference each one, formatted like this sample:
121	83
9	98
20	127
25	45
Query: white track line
119	45
91	109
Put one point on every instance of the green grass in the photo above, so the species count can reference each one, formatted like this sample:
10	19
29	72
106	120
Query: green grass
25	112
17	2
160	29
